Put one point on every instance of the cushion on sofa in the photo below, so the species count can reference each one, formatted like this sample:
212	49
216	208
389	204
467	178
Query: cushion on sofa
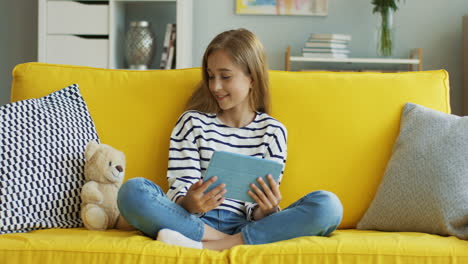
425	184
78	245
41	161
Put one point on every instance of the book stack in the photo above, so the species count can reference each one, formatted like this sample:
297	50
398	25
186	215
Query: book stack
327	46
169	47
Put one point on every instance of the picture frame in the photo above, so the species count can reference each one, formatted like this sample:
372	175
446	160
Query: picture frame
282	7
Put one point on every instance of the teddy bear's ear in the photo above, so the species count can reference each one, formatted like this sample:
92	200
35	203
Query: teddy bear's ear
90	149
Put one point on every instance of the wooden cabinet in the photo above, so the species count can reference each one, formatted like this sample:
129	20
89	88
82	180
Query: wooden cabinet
92	33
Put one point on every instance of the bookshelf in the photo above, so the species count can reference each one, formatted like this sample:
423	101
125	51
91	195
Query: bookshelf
415	62
92	33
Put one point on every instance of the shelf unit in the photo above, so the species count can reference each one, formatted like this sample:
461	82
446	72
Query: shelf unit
92	33
415	60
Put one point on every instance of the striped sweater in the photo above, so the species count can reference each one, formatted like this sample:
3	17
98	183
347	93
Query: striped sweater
197	135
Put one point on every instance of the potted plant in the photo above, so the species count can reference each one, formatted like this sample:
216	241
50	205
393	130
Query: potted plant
385	9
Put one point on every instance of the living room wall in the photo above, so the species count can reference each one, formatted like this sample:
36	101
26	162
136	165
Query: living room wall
18	39
432	25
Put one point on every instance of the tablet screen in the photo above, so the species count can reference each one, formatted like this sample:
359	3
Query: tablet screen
238	171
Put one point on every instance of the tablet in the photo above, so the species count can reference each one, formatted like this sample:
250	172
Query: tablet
238	171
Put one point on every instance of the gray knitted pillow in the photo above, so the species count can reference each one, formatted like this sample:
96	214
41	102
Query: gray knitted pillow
425	186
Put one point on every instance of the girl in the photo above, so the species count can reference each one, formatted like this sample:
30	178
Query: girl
228	112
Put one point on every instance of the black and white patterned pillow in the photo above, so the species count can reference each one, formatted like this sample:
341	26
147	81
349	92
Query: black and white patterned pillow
42	143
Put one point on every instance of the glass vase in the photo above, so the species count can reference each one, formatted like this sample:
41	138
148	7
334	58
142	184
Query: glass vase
385	33
139	45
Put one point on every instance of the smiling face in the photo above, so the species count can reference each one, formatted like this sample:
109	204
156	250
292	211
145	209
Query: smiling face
227	82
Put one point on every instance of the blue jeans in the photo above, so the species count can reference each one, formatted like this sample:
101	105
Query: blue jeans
145	206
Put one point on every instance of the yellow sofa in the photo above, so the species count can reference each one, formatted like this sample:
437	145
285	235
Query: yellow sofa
341	130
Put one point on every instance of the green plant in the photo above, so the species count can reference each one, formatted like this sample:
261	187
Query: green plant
385	8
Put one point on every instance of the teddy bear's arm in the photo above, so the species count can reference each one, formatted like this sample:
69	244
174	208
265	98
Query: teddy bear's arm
91	194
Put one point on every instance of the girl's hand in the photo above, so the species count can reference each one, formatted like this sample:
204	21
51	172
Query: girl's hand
196	201
267	200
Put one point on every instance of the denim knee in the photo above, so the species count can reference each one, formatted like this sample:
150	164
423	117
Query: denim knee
136	187
140	185
329	206
330	203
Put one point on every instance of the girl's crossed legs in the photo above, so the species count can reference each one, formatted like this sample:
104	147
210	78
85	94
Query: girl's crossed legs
145	206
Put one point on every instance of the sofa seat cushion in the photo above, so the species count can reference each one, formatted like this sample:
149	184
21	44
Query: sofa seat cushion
79	245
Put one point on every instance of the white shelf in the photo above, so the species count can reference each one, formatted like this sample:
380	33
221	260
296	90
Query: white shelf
145	0
415	61
114	19
358	60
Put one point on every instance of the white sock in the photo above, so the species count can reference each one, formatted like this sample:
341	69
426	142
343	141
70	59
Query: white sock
172	237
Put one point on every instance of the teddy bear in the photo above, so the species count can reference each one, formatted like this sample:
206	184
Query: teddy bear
104	172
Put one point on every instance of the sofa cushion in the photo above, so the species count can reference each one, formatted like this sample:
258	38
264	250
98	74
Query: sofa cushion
78	245
42	159
425	184
341	126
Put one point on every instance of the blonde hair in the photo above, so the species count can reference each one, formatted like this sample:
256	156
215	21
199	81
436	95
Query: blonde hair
247	52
